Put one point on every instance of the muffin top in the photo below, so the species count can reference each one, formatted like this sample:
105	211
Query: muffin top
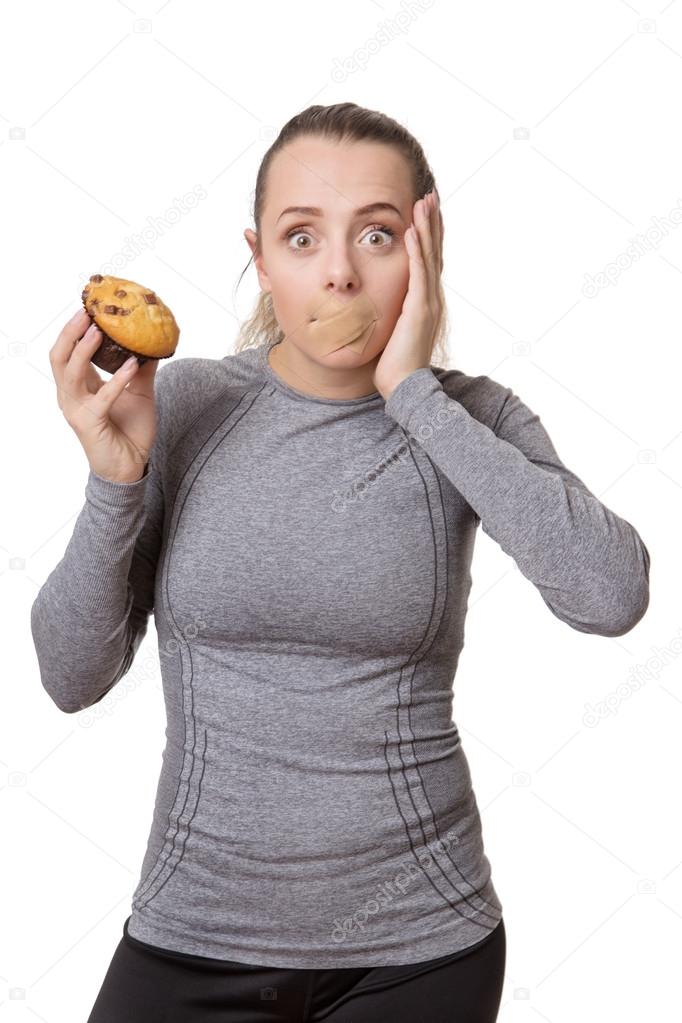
132	315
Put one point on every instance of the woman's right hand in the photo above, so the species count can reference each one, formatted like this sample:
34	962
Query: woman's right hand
116	425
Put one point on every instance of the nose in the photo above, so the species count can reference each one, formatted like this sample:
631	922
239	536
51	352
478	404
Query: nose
340	268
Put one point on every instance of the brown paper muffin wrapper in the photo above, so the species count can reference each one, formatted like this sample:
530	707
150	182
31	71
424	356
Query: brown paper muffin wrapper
110	356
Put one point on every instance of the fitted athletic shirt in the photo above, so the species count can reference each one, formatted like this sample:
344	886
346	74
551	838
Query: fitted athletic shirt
307	561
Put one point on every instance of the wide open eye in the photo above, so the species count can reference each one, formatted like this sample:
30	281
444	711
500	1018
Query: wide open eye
377	229
374	229
296	231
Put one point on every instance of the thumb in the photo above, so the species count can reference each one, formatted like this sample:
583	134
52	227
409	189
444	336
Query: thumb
109	392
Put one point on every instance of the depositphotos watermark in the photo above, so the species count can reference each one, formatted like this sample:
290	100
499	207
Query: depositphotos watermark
147	668
389	28
139	671
640	246
148	236
386	892
359	488
639	675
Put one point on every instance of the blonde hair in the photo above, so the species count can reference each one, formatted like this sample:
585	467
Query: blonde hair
340	122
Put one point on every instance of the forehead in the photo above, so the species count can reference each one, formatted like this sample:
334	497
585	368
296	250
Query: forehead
336	176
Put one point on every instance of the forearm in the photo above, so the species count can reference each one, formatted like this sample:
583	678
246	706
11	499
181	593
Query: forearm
589	564
80	618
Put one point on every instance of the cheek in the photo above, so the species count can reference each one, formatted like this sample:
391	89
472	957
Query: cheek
289	291
389	292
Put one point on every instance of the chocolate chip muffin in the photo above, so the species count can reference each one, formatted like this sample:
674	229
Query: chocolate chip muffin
133	321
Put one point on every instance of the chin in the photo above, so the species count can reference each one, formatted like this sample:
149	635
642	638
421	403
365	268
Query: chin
347	357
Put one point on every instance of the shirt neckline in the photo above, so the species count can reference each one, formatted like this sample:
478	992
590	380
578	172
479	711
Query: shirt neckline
293	392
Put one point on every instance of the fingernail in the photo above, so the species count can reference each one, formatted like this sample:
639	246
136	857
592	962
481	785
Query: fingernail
76	316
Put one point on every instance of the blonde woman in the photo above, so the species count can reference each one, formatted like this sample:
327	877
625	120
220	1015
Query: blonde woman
300	516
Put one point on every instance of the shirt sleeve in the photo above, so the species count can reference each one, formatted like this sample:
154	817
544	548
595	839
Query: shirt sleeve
589	565
91	613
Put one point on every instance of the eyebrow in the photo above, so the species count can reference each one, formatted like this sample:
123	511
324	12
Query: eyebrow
315	211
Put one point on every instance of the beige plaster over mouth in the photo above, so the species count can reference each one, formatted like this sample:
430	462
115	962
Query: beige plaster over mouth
337	323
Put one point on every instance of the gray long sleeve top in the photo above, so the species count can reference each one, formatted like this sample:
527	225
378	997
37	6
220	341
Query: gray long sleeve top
307	561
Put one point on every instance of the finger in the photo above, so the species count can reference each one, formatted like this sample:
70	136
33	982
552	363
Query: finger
74	383
418	283
426	237
434	270
61	351
441	226
75	372
428	248
144	378
92	378
68	336
442	238
101	402
422	222
435	233
438	230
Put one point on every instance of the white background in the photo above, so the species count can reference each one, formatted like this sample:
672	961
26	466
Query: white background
554	133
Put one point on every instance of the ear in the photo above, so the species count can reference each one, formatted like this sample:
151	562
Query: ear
252	241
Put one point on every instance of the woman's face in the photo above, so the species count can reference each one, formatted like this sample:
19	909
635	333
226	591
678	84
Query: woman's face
335	249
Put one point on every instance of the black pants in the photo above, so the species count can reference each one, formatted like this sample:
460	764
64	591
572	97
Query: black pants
145	984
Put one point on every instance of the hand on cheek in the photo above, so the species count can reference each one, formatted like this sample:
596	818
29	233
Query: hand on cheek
410	345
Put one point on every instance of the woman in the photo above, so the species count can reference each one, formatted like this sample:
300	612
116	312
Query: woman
300	516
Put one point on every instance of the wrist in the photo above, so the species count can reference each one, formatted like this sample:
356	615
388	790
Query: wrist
126	478
388	388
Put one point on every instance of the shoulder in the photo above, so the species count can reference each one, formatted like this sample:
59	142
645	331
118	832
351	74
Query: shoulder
483	397
185	387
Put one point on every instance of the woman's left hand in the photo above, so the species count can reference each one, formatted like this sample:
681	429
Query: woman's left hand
411	344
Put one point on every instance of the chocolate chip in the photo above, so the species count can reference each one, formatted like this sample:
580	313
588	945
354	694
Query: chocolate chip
150	299
125	312
113	309
97	278
121	293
